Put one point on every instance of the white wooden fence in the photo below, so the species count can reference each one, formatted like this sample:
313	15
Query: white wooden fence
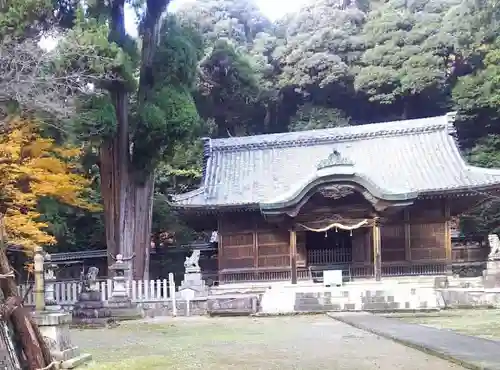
66	292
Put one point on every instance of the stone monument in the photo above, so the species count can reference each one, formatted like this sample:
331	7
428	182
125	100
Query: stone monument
120	304
492	272
193	285
54	323
89	310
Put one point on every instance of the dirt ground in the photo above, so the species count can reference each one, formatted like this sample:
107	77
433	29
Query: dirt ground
480	323
299	342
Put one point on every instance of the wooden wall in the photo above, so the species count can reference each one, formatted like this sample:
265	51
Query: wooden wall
247	241
392	242
428	230
427	241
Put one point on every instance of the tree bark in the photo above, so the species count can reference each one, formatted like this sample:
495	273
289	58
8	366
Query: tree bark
128	210
143	224
128	200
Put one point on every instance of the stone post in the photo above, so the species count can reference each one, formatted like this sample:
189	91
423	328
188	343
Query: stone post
39	291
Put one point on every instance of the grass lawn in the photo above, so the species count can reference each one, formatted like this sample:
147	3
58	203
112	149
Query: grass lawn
480	323
196	343
295	342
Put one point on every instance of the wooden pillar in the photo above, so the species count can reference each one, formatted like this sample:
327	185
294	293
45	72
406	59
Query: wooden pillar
256	255
447	235
407	235
220	252
377	257
293	255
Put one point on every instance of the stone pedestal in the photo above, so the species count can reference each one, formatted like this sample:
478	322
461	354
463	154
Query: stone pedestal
54	327
193	286
90	311
491	278
124	309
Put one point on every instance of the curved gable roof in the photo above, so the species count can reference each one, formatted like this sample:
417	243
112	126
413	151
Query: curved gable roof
413	156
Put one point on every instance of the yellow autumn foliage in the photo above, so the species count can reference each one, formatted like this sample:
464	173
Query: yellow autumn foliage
32	167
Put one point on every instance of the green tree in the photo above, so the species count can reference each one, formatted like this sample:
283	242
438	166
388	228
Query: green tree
141	108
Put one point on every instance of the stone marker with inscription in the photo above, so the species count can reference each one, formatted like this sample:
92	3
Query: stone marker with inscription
237	305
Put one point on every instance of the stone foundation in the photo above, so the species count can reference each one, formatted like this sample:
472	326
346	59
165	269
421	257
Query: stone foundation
123	309
289	299
492	275
195	307
470	298
237	305
323	299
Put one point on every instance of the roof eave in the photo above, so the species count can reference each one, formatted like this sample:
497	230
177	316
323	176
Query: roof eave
346	177
216	208
479	190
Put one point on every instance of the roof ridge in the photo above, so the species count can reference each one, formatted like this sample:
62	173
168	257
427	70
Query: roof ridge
330	135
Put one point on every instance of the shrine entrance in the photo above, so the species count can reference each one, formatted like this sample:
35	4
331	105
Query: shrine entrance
328	248
333	245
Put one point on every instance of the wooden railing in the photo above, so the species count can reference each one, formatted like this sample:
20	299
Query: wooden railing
350	271
329	256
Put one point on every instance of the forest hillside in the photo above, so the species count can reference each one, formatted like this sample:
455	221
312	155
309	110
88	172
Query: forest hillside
347	62
220	68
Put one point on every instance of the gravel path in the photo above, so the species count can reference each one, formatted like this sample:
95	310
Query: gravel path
300	342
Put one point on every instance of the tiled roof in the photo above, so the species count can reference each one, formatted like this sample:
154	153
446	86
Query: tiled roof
70	256
395	158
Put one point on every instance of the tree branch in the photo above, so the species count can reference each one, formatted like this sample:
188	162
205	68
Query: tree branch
35	80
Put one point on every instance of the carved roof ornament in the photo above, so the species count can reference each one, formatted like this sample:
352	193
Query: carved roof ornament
334	159
336	191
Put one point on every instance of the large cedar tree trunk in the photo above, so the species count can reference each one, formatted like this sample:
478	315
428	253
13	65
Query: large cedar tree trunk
128	200
128	204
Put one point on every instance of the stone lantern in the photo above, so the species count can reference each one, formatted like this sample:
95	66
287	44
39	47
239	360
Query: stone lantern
120	304
49	274
120	269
